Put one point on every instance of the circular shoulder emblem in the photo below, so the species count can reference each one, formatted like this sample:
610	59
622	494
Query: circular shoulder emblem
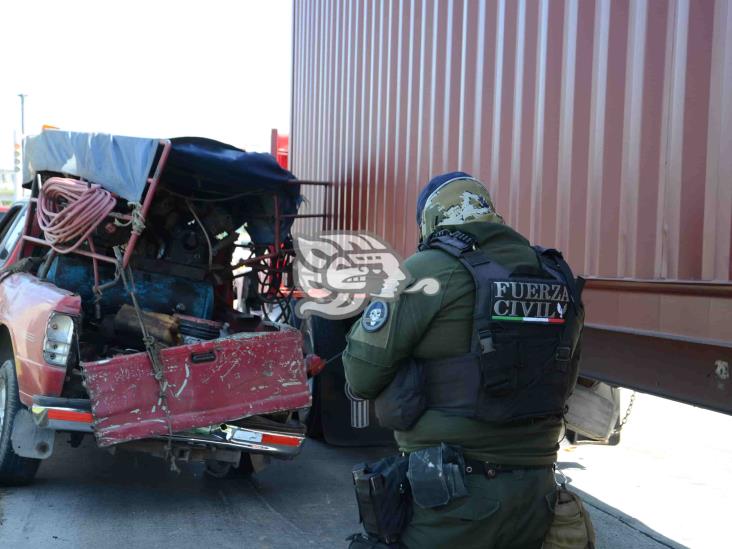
375	316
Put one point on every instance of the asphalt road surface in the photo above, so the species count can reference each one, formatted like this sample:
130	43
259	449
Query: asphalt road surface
86	497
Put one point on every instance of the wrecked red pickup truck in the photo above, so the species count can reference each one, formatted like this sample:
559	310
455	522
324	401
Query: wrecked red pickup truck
117	294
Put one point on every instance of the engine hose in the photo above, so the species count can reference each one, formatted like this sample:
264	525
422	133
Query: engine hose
69	211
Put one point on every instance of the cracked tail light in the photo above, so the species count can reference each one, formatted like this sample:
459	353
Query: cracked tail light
57	343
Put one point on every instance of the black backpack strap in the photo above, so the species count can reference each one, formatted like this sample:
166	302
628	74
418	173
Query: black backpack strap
556	262
463	247
570	338
453	242
482	269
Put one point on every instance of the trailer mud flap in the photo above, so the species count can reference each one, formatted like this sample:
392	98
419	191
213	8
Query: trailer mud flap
208	383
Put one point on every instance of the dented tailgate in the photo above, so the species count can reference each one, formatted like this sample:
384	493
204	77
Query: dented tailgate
208	383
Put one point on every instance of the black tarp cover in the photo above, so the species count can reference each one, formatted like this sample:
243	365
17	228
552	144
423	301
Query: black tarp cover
206	169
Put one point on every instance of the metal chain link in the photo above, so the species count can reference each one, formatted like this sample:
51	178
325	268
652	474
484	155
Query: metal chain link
627	414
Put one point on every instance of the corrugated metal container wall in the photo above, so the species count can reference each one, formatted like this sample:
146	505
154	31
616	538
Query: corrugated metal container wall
603	128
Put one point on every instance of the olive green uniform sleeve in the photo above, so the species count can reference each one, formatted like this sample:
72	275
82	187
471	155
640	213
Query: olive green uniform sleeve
371	359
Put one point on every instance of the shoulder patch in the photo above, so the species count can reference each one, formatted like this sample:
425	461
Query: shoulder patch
375	316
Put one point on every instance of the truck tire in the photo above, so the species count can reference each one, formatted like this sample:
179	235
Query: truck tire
14	470
219	469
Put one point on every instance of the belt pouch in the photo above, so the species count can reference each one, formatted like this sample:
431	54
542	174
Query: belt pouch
382	494
437	475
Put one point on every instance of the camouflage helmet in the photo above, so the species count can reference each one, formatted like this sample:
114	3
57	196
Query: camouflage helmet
454	198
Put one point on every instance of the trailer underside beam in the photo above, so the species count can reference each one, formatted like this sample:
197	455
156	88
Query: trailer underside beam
689	370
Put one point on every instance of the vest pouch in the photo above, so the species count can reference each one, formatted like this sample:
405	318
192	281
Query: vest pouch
498	368
437	475
402	403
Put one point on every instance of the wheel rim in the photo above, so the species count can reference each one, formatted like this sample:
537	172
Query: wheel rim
3	398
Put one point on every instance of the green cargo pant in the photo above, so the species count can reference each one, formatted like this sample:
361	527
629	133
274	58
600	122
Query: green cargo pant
511	511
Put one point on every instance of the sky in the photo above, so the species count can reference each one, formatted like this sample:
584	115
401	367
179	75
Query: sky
155	68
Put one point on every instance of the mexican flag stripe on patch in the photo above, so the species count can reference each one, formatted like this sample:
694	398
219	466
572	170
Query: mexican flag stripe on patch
529	319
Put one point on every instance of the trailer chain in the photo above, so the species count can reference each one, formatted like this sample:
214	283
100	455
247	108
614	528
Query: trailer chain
627	414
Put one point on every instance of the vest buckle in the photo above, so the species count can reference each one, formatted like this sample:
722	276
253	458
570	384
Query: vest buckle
563	353
562	357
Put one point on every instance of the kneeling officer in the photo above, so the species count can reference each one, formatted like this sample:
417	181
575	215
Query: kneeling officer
473	379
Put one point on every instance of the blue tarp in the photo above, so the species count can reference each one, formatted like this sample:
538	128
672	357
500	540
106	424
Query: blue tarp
120	164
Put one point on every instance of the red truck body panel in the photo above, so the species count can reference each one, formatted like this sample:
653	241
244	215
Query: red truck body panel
206	383
209	383
26	303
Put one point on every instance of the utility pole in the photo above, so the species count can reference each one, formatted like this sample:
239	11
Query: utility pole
22	113
19	175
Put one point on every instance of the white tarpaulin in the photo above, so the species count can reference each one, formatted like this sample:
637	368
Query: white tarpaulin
119	164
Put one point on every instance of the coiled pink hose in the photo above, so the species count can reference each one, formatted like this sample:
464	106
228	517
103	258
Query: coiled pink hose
70	210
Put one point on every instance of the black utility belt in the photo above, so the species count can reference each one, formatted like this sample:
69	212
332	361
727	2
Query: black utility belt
492	470
429	478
